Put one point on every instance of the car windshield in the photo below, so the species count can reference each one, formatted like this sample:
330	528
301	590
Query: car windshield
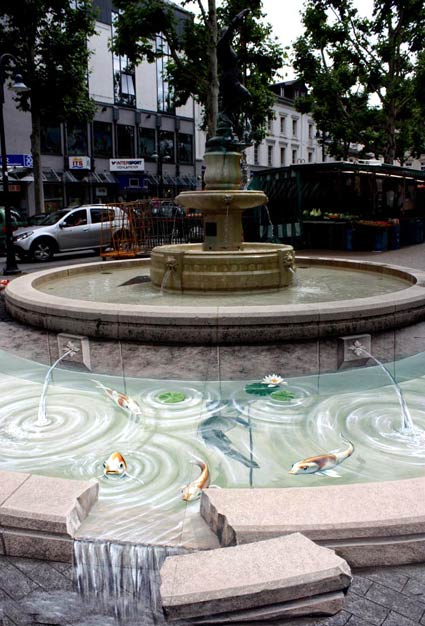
53	218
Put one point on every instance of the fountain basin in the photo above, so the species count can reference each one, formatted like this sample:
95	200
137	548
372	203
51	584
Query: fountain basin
222	200
215	325
255	266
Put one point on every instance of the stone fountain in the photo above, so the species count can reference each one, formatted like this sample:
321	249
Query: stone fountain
223	262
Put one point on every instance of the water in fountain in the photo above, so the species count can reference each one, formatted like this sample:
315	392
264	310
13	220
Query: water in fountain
123	578
165	280
70	350
407	422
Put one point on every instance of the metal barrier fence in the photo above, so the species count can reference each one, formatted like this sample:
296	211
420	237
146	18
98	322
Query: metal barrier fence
144	224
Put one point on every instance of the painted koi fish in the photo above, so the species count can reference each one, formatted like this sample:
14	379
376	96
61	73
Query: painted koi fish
322	463
121	399
116	465
4	283
193	490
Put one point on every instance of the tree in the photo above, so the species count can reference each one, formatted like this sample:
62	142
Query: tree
48	38
363	74
192	41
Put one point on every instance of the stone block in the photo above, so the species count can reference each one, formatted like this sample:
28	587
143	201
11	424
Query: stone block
41	546
51	505
367	524
9	483
265	576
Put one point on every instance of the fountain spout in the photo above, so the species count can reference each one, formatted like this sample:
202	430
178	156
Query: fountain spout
407	423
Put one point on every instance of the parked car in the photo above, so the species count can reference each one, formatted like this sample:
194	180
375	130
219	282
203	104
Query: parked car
16	222
35	220
88	227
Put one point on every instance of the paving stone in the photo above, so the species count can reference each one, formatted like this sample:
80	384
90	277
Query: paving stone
16	584
253	576
390	578
396	601
358	621
395	619
365	609
416	589
360	585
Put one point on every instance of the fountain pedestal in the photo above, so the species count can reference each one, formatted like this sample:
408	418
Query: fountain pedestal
223	262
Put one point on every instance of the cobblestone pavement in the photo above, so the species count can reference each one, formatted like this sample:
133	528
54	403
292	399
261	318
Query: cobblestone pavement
43	593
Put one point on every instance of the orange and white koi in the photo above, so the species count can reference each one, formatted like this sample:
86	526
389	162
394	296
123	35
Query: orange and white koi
322	463
4	283
116	465
121	399
193	490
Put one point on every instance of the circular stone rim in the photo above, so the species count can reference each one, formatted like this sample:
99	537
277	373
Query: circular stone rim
252	324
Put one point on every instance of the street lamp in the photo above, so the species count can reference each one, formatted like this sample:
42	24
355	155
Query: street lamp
18	86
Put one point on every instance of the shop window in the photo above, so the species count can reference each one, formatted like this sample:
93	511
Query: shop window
165	94
102	139
125	141
76	138
51	141
166	145
185	148
147	143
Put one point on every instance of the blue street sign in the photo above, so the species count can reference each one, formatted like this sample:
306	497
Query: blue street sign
18	160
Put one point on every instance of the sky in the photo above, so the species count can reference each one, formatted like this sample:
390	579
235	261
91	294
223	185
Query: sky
284	16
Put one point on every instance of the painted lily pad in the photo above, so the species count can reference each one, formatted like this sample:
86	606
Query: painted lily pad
171	397
259	389
282	395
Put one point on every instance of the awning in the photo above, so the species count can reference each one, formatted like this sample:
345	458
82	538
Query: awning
50	176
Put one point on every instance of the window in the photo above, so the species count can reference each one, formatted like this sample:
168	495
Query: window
102	215
147	143
270	156
76	138
77	218
124	81
166	145
165	95
256	154
185	148
282	155
270	124
102	139
294	156
294	128
282	124
310	157
51	140
310	131
125	141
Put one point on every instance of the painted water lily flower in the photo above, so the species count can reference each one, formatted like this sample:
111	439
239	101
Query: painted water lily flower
273	380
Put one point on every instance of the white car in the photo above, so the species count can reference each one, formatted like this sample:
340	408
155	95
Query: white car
87	227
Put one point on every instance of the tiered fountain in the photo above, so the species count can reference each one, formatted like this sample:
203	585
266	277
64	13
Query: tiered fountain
224	262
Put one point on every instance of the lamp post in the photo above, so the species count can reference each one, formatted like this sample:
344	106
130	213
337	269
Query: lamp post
18	86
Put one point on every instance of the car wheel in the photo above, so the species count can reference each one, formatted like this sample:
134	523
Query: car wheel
42	250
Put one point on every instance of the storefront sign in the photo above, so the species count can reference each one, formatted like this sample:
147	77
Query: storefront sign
79	163
101	192
12	188
18	160
127	165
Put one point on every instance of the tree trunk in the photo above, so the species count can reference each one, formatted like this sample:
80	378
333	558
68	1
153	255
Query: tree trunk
212	98
36	159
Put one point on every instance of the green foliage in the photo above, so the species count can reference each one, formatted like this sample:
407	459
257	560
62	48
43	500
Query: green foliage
171	397
49	40
188	71
364	74
282	395
259	389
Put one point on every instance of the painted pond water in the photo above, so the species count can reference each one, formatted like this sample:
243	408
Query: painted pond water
247	440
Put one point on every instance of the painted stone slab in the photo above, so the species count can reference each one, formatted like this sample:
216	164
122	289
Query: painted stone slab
51	505
367	524
256	575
